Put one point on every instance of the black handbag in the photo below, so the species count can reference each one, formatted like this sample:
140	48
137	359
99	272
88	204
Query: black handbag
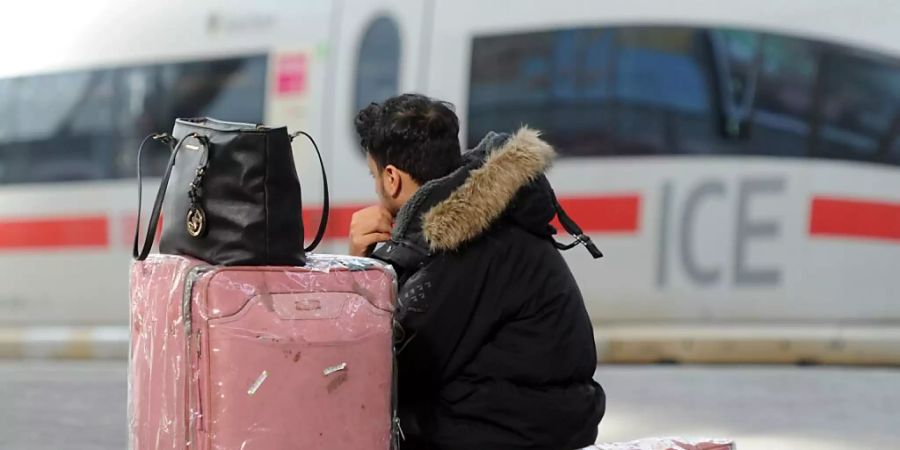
230	195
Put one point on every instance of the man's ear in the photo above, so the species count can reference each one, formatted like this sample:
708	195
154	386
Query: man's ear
392	182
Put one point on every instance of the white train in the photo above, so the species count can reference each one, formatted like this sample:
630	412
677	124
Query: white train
738	164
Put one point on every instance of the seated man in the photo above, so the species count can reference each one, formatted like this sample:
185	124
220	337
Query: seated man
496	349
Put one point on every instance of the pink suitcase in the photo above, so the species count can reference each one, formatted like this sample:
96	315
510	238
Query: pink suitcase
261	358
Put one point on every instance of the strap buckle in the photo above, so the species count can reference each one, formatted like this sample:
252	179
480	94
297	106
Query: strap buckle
582	239
586	241
165	138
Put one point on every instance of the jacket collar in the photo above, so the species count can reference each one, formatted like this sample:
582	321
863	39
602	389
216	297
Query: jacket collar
448	212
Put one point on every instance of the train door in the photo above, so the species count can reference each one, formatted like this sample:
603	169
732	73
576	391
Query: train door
378	55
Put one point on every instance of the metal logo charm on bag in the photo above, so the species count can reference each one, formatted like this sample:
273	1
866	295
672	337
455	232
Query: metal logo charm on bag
196	216
196	222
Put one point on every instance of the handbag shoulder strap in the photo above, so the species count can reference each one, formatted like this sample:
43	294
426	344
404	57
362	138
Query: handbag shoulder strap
323	221
140	252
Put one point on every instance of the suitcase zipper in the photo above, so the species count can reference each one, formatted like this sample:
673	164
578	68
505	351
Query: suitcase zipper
398	433
194	274
396	429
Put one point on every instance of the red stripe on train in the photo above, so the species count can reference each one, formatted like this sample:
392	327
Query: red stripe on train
338	221
595	214
845	217
604	214
54	232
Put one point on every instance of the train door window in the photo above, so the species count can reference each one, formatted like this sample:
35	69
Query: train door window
781	121
378	63
87	125
662	92
557	81
860	110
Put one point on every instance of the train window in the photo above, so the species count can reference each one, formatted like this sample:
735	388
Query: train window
783	105
893	151
595	91
740	59
737	56
556	81
378	63
662	92
860	111
87	125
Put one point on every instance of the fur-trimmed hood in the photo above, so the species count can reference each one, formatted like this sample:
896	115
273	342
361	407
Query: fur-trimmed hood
500	178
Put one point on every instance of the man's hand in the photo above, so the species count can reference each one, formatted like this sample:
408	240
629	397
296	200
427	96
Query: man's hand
368	227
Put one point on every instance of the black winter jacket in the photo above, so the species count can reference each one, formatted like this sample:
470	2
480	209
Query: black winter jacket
497	351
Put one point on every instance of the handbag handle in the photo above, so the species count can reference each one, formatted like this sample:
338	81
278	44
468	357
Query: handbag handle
140	252
140	255
323	221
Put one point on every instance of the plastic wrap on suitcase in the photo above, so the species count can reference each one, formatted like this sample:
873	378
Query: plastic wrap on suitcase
670	443
261	357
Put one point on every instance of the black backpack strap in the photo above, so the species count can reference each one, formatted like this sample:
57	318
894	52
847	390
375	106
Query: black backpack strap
323	222
572	228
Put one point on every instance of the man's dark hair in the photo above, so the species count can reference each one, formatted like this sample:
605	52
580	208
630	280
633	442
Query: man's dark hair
417	134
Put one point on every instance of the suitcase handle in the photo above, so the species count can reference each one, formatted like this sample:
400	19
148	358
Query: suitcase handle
308	305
